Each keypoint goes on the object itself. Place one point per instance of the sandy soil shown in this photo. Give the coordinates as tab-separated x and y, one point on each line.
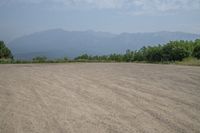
99	98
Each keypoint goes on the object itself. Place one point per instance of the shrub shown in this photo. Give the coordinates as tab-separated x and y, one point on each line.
196	52
39	59
4	51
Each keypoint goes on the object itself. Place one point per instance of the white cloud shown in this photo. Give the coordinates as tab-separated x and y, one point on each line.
132	6
161	5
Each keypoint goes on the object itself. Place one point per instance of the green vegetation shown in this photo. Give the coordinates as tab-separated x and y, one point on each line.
178	52
196	51
170	52
6	61
189	61
5	53
43	59
39	59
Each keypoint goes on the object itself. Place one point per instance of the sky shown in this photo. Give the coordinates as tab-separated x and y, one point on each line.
22	17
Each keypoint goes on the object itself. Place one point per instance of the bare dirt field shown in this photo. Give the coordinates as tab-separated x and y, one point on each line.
99	98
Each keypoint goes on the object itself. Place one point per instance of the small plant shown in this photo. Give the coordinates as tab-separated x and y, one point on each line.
39	59
196	51
189	61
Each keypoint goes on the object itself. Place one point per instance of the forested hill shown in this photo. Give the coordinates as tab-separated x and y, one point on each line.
59	43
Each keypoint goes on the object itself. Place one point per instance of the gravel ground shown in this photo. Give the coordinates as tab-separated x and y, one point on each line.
99	98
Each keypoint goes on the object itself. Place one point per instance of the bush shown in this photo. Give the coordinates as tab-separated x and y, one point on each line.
40	59
6	61
174	51
196	51
154	54
5	53
189	61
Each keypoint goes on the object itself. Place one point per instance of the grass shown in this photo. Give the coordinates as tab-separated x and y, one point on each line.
6	61
189	61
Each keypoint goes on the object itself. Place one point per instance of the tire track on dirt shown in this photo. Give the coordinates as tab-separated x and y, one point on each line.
53	124
102	98
122	93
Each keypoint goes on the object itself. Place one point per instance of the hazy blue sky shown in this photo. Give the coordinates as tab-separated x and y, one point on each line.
20	17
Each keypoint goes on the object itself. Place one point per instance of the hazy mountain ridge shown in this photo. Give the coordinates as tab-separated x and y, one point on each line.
59	43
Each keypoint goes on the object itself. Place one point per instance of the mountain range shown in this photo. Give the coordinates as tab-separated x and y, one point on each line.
58	43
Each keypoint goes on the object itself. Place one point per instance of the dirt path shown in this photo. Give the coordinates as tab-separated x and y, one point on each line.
99	98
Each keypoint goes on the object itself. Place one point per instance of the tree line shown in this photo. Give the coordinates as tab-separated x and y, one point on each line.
170	52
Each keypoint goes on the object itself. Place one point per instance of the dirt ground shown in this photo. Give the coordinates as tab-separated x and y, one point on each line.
99	98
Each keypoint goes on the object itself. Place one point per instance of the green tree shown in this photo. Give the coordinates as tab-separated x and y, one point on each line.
82	57
196	51
116	57
4	51
128	56
154	54
175	50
